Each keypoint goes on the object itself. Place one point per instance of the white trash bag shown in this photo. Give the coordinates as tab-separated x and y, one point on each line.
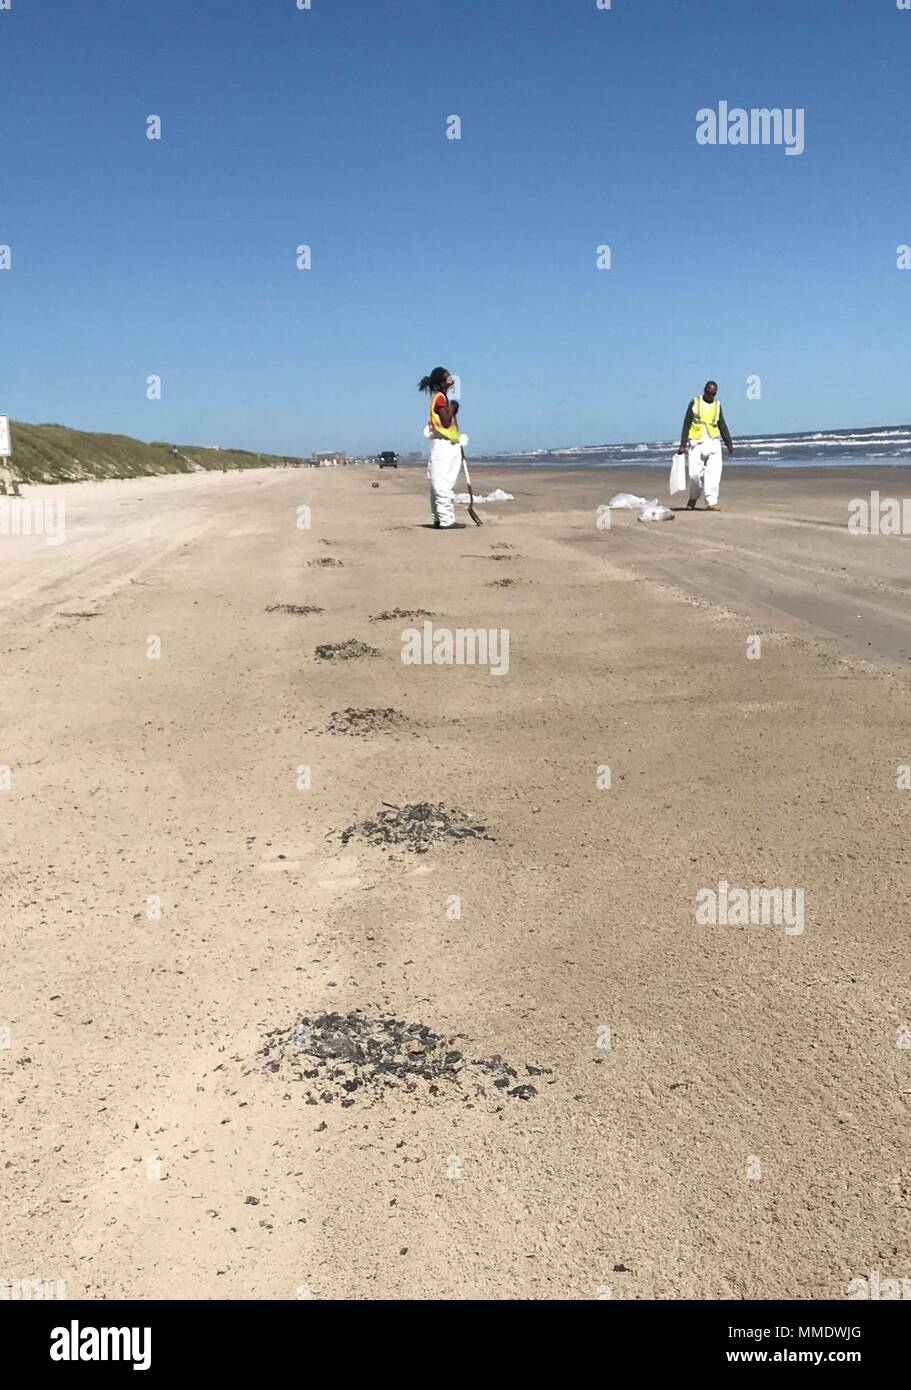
678	481
655	511
628	501
498	495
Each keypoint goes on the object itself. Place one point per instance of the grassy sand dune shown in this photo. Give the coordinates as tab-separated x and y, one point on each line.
56	454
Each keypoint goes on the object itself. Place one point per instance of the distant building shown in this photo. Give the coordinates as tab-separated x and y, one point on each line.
328	460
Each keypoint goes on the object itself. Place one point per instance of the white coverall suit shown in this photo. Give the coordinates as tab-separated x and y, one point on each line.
703	468
443	470
445	461
703	456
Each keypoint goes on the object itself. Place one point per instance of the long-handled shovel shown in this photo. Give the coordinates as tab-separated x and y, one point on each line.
471	511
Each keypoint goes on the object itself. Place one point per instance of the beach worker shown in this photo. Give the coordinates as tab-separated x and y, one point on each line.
704	428
446	445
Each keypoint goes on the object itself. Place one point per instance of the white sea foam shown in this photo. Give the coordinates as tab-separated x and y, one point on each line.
841	448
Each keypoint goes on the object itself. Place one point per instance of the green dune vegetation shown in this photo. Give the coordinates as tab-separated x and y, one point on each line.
55	454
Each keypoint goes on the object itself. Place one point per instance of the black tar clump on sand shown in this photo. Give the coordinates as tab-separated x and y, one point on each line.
344	651
348	1057
390	613
416	827
362	721
300	610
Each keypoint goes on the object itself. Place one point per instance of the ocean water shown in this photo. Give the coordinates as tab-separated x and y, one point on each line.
822	449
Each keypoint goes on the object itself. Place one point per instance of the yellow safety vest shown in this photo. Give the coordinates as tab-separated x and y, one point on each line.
705	419
450	432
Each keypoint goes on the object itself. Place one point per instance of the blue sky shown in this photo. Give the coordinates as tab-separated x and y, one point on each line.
327	127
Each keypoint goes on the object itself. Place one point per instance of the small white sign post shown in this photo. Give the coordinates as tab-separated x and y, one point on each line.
6	447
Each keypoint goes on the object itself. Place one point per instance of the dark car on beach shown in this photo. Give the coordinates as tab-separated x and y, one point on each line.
388	459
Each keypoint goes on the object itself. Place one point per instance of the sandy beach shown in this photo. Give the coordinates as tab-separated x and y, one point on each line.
719	1111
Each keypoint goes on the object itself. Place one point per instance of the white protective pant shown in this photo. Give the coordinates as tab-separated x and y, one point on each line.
443	470
703	468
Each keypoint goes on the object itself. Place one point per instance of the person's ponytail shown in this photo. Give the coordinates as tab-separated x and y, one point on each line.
436	381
